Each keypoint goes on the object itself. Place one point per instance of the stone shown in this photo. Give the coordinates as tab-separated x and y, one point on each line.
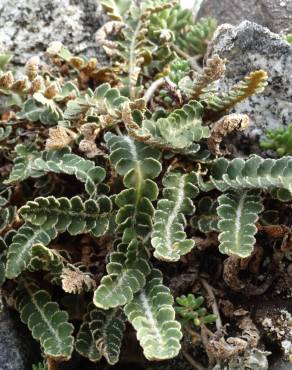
28	26
249	47
274	14
18	351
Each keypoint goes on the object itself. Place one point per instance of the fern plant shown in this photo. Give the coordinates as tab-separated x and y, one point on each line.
105	230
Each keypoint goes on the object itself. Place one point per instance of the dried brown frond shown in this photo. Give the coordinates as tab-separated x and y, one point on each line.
21	85
214	69
59	137
75	281
223	127
37	84
32	67
101	36
6	80
52	90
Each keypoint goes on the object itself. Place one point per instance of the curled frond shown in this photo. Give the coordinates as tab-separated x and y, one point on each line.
238	212
168	236
223	127
59	137
152	315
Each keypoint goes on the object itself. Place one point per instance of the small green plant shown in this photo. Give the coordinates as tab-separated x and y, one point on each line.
109	173
191	309
279	140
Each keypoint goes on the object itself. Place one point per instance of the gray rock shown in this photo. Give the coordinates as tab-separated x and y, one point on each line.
249	47
18	351
28	26
274	14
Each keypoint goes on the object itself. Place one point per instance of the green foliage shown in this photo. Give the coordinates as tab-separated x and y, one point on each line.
72	215
20	250
190	309
46	321
93	232
127	270
34	164
101	334
238	213
168	236
152	315
179	130
279	140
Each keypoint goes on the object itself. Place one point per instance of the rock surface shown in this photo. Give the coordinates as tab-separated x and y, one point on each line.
27	27
274	14
249	47
17	349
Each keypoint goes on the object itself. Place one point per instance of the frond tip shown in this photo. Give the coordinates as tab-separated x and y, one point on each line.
238	212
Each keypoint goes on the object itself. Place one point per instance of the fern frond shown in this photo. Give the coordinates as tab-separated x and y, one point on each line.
177	131
103	102
254	83
61	161
47	322
7	212
72	215
213	71
20	250
127	270
254	173
107	328
238	212
46	259
85	344
168	235
152	315
138	163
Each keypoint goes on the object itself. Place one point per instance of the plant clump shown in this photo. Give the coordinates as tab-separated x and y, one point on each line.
116	178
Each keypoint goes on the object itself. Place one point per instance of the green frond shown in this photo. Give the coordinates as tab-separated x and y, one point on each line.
47	323
179	130
72	215
127	270
238	212
168	235
85	344
61	161
107	328
139	164
153	317
20	250
103	102
255	172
